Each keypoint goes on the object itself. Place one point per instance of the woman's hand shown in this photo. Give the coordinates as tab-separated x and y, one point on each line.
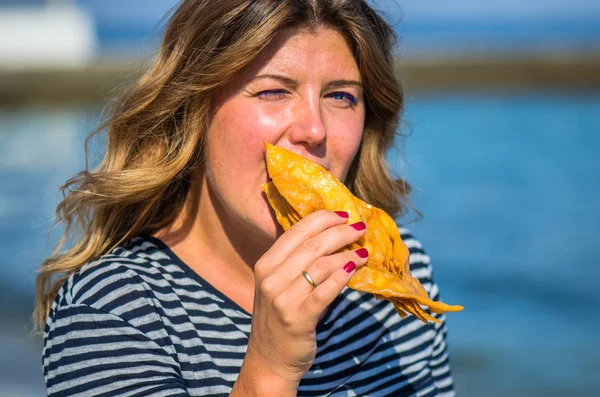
287	307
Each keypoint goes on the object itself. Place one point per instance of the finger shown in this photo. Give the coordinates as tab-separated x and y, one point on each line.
322	269
318	250
321	297
302	230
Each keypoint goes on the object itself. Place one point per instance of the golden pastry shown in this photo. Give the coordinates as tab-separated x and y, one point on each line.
300	186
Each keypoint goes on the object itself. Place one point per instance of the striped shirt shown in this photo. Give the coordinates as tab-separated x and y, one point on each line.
139	322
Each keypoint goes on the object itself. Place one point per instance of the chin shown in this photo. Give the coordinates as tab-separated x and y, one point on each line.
269	227
263	224
269	224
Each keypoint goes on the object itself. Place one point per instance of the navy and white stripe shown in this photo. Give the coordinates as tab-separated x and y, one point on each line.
139	322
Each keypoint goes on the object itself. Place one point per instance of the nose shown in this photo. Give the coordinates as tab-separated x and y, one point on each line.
308	127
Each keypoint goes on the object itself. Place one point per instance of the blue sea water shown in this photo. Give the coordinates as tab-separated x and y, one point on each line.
509	187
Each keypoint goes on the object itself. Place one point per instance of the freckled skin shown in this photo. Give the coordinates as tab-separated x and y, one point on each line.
309	118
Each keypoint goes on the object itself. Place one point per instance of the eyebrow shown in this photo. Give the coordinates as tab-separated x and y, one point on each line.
285	80
294	83
343	83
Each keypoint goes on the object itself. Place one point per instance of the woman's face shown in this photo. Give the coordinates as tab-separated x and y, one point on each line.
303	93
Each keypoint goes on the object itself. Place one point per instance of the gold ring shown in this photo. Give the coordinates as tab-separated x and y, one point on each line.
309	279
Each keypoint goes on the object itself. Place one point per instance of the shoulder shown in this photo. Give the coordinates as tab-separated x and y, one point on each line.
130	275
108	316
128	291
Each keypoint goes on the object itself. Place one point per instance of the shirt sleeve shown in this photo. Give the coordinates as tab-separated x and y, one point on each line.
89	352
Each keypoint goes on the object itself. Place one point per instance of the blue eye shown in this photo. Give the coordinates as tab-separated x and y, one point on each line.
271	94
343	96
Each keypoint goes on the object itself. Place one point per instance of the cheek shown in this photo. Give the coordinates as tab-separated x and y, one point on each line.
344	145
264	124
242	127
235	152
346	157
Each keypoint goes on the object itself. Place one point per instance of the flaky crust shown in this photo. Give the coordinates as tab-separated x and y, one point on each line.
300	186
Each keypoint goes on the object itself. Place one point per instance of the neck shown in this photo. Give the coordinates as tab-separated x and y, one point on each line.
226	236
212	242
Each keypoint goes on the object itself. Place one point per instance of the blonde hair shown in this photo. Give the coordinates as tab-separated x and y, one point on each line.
155	133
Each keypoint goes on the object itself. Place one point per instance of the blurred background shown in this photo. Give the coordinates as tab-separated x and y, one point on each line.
503	118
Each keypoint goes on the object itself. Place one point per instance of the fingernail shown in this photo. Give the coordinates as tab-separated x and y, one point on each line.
362	252
359	226
343	214
349	267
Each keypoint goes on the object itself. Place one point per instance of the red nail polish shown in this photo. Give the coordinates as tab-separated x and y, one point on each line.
362	252
349	267
359	226
343	214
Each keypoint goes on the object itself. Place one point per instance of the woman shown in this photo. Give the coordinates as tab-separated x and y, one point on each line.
182	283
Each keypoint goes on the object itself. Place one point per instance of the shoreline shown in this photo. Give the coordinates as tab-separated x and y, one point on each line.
102	78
